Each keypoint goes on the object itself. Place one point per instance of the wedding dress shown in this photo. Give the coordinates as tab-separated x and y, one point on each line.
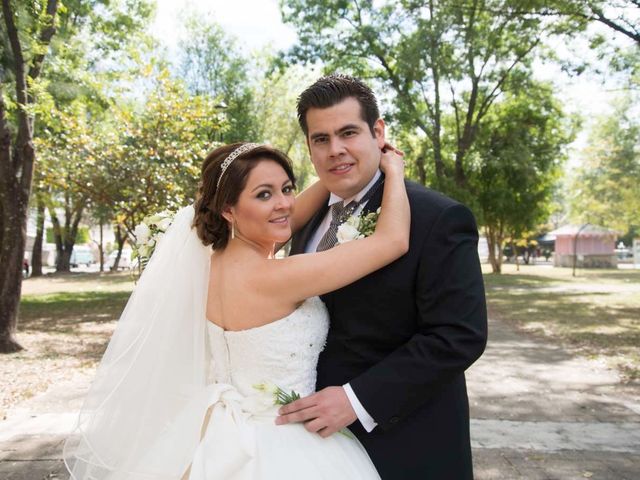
179	398
242	440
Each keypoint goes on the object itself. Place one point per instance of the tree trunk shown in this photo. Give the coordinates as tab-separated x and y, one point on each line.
14	197
494	244
65	237
101	246
499	247
36	254
515	253
422	172
14	239
62	257
16	172
120	238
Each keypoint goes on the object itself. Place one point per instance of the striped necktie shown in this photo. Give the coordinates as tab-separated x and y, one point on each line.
340	213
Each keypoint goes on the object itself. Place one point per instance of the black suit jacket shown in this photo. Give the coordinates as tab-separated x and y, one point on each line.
403	337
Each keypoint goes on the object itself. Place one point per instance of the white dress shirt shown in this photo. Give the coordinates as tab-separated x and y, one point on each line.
366	420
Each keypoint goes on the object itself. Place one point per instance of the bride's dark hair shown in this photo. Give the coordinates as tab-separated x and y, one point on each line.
211	200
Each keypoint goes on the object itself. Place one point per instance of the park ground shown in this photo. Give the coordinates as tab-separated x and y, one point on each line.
556	394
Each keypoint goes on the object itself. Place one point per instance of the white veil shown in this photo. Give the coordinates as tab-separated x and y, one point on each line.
155	368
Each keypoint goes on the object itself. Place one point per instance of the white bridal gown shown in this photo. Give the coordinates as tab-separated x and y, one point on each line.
166	368
241	440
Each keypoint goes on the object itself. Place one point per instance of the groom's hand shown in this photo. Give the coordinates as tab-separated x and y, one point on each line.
325	412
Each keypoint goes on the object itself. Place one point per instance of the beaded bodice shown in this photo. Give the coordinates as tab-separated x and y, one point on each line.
284	352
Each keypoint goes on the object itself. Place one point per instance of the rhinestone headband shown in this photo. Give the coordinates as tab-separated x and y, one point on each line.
233	155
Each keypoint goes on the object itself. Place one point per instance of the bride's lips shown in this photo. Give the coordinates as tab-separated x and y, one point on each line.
280	220
341	168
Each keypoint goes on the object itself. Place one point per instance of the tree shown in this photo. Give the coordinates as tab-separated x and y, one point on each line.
17	155
518	156
212	65
438	58
275	103
31	30
606	188
67	160
153	164
80	85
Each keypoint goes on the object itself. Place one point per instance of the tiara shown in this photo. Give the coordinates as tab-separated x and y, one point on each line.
244	148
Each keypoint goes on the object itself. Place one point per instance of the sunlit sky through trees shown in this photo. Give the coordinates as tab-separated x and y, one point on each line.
257	24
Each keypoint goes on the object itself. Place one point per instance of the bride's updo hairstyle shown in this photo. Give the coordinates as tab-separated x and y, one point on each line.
216	193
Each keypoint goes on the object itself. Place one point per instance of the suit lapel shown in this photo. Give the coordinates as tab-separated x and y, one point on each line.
374	202
300	239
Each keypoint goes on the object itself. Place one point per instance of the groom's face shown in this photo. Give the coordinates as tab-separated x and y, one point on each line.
343	150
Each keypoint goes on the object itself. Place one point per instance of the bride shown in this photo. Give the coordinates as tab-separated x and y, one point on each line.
216	328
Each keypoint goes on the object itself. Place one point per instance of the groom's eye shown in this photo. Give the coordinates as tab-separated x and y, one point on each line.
319	140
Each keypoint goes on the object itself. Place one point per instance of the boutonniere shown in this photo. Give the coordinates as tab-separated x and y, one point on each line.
357	226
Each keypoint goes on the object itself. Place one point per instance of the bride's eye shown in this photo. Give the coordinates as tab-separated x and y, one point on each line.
264	195
288	190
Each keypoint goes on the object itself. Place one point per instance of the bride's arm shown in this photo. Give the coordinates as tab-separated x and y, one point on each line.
308	202
299	277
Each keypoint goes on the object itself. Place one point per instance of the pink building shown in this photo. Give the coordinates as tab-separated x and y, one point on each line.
594	247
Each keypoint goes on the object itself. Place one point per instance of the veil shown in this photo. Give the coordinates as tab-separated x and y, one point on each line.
142	416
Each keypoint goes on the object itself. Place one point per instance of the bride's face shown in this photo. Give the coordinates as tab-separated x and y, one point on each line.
265	205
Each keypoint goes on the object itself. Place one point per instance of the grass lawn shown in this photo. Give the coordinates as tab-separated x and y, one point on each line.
596	313
65	324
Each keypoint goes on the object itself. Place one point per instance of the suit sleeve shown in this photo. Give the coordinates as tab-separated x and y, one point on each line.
451	330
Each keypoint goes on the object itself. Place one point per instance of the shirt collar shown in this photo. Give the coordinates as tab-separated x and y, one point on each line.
333	198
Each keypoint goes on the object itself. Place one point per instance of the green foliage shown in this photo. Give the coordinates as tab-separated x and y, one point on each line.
275	105
81	237
606	187
212	65
518	157
442	61
153	157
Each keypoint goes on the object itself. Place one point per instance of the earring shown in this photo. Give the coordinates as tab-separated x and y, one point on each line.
233	230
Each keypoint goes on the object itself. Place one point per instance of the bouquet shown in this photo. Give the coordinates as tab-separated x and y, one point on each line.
147	235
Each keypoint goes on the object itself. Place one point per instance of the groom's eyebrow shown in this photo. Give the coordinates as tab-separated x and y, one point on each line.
351	126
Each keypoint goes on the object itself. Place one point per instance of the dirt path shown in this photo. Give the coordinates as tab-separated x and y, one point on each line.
537	413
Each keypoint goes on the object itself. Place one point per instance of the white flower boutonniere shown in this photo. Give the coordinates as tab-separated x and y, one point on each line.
356	227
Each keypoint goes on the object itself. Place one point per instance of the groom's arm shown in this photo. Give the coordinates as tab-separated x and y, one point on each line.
451	325
451	334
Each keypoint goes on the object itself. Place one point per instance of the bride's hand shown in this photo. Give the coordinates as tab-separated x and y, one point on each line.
392	160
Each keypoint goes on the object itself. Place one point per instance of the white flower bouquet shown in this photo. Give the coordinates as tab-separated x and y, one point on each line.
147	235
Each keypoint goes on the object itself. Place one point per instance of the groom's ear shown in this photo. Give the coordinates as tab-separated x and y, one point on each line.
378	130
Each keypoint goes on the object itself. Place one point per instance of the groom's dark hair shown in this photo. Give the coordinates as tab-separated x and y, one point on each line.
332	89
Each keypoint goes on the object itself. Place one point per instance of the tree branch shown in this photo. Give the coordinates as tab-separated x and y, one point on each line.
45	38
598	15
16	47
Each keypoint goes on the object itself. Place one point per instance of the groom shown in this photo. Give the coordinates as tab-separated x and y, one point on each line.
401	338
